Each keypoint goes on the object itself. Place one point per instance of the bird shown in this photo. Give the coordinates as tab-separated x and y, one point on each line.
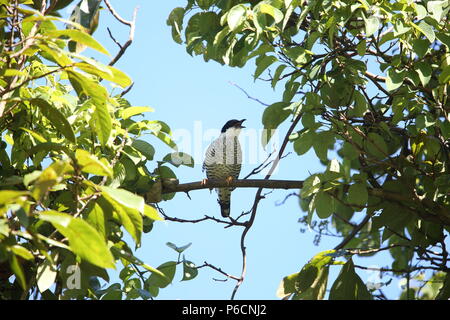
223	160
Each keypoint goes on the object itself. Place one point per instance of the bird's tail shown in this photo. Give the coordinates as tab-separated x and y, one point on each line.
224	201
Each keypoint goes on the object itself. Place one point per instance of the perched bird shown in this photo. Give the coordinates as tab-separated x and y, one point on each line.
223	161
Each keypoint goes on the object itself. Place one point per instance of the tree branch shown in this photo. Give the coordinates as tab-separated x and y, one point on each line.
440	214
258	198
131	24
248	96
242	183
208	265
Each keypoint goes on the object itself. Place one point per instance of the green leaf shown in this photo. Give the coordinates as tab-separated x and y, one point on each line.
444	77
425	29
102	122
297	54
272	117
11	196
317	289
46	275
129	207
372	24
50	177
444	38
287	285
178	249
236	16
152	213
48	147
322	142
175	20
125	198
310	186
99	218
394	79
132	111
22	252
190	271
35	135
56	118
361	47
360	106
376	145
90	164
265	8
262	63
108	73
348	285
179	158
357	194
325	205
277	74
424	70
444	292
56	55
421	47
308	120
311	281
145	148
165	138
205	4
78	36
112	294
16	267
84	240
168	269
436	9
304	142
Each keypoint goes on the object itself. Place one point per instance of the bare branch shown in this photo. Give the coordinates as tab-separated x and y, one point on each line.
256	202
131	24
205	218
116	15
208	265
248	96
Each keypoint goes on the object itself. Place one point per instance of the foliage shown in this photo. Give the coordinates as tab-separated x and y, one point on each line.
370	81
73	163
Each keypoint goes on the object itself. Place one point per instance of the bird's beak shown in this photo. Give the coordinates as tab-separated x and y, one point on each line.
240	123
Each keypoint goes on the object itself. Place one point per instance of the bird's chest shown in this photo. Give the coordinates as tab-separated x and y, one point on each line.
228	151
223	158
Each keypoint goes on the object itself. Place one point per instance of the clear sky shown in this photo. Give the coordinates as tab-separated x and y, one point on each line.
191	95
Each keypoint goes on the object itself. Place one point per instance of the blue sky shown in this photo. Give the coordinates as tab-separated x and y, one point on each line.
185	90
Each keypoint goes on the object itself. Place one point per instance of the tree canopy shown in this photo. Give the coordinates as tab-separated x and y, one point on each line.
364	84
368	80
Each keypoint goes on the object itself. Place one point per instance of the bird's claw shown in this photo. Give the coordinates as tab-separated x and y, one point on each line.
229	180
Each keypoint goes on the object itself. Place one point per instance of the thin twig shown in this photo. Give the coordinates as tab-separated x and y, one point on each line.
208	265
205	218
116	15
248	96
256	202
131	24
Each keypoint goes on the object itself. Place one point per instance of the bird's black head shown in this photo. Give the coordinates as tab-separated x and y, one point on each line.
233	123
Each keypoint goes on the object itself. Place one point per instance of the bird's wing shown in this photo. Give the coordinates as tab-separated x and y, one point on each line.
210	154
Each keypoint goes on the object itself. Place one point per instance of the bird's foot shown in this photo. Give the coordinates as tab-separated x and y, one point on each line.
229	180
204	182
